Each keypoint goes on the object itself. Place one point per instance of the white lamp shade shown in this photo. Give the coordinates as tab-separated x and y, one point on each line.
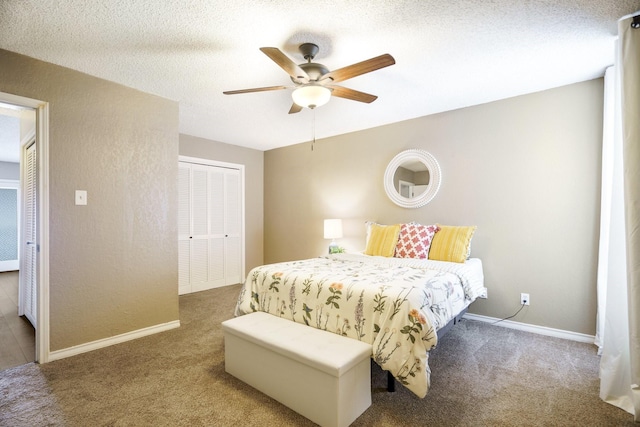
332	228
311	96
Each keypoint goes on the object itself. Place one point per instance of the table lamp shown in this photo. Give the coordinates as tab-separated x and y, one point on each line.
333	231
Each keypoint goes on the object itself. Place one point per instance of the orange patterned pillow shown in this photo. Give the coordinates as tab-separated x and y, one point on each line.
415	240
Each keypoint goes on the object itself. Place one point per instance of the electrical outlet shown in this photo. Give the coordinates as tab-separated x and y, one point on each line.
524	299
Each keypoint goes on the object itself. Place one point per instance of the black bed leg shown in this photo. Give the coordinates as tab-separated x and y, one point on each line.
391	383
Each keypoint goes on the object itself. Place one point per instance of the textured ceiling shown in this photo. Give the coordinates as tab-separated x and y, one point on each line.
448	54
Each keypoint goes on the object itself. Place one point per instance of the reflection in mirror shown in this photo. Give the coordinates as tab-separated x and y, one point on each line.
412	178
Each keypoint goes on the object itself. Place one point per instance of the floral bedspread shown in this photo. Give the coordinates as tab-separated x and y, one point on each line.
395	306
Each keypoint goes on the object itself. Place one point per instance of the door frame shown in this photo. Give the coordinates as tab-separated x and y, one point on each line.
42	264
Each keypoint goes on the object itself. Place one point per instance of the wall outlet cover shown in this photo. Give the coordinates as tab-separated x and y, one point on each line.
81	197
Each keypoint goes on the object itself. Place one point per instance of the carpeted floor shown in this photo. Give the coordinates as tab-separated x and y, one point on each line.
482	375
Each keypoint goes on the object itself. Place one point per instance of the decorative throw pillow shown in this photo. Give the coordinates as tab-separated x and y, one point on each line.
414	240
382	240
368	225
452	243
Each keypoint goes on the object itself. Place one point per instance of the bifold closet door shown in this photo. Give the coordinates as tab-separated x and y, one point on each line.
184	228
209	227
27	305
225	217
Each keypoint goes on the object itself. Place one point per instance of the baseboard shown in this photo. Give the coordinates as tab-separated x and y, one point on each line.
106	342
542	330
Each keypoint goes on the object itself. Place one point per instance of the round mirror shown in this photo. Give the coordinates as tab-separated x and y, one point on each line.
412	178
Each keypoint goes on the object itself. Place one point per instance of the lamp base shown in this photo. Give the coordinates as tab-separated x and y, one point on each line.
334	248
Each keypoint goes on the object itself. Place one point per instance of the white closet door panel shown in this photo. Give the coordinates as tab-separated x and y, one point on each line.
184	228
199	200
29	293
216	262
184	200
232	204
199	262
30	245
184	267
217	201
233	262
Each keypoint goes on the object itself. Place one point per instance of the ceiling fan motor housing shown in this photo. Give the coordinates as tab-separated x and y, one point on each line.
313	69
309	50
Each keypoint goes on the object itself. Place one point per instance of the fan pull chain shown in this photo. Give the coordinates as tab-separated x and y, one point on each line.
313	143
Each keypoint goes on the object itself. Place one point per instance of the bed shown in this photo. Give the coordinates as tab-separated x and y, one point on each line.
396	304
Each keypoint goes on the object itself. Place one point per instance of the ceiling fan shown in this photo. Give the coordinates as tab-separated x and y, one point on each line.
314	83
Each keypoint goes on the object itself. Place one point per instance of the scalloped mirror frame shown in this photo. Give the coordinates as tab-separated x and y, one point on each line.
435	178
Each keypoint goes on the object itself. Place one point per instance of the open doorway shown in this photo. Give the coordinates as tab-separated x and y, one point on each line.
17	130
32	201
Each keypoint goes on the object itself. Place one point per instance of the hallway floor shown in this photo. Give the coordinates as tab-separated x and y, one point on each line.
17	336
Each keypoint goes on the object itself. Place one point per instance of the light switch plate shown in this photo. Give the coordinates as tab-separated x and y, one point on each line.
81	197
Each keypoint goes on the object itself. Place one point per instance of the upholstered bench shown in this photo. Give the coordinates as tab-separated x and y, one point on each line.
321	375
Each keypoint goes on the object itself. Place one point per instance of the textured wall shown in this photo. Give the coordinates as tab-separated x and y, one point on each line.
113	263
253	160
9	171
525	170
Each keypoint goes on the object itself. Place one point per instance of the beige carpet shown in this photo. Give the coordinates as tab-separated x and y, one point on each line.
482	375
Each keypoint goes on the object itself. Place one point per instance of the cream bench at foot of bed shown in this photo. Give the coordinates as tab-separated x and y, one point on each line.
321	375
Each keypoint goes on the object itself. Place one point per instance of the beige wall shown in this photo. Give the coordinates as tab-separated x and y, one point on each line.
113	263
525	170
253	161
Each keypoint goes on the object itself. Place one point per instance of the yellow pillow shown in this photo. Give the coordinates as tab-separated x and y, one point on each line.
382	240
451	243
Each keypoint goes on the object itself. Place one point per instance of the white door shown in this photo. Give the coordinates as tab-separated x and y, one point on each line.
233	227
202	274
184	228
9	215
210	227
226	226
28	277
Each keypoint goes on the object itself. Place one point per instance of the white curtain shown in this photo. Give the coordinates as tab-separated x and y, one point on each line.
618	327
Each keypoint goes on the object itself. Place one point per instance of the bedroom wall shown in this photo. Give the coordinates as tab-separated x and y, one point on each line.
9	170
113	263
253	161
525	170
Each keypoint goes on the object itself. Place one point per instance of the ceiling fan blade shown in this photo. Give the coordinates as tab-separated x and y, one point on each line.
354	95
295	108
360	68
286	64
257	89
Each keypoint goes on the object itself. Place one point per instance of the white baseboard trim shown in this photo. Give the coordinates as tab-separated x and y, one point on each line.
542	330
106	342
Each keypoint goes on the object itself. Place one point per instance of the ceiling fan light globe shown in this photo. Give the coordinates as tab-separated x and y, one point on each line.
311	96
